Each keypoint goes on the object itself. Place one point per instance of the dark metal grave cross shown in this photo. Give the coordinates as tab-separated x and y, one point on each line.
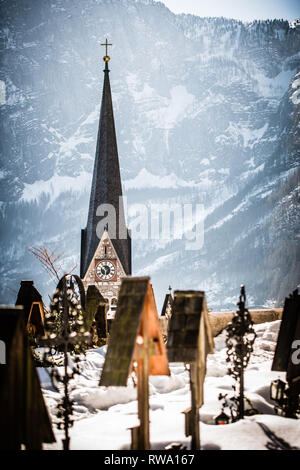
239	341
67	303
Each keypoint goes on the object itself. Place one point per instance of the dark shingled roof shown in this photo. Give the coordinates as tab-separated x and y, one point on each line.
106	188
168	299
182	345
31	299
27	295
125	326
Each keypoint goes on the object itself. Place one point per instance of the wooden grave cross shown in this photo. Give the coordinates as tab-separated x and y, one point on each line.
189	341
24	415
136	346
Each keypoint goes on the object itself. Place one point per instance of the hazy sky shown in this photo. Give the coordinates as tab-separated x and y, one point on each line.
245	10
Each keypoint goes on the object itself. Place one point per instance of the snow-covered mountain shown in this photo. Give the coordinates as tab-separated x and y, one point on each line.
206	110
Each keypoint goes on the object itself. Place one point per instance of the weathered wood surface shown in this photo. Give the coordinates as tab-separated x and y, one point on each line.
125	328
24	418
136	346
190	340
288	333
184	325
219	320
136	302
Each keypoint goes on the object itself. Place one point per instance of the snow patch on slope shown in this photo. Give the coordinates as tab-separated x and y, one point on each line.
295	97
275	86
55	186
157	264
163	112
178	105
145	179
235	132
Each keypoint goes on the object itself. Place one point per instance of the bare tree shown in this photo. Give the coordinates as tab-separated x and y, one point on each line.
51	261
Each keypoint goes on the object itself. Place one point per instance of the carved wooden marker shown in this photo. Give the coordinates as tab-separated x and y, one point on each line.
286	358
190	340
24	416
31	299
136	346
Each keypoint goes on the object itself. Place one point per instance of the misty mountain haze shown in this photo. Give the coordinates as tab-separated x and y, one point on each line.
206	111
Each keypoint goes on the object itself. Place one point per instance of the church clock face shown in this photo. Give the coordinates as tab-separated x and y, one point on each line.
105	270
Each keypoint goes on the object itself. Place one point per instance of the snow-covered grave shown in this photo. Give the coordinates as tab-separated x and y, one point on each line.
103	415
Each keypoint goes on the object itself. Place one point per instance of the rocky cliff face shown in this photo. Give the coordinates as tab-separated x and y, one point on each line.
207	112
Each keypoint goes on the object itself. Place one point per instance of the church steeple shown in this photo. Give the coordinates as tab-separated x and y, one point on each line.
106	188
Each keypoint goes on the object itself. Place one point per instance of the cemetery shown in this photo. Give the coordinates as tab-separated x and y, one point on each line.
237	389
95	365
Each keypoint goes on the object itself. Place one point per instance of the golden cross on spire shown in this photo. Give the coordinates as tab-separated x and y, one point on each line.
106	58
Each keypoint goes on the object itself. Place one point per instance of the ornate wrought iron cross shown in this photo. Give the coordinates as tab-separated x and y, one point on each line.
240	339
65	332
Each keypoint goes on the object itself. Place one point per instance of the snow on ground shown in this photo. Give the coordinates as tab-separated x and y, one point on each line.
103	415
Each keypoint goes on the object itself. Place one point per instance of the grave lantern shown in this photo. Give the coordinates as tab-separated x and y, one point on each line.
190	340
31	300
35	323
222	418
277	390
136	346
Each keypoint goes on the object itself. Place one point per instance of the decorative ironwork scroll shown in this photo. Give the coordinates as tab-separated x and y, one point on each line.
65	334
239	341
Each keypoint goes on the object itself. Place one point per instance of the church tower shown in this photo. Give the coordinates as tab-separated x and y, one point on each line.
105	242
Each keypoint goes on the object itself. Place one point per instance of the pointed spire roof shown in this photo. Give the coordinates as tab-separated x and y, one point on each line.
106	186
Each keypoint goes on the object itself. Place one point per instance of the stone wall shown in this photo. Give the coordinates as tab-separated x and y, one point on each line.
219	320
